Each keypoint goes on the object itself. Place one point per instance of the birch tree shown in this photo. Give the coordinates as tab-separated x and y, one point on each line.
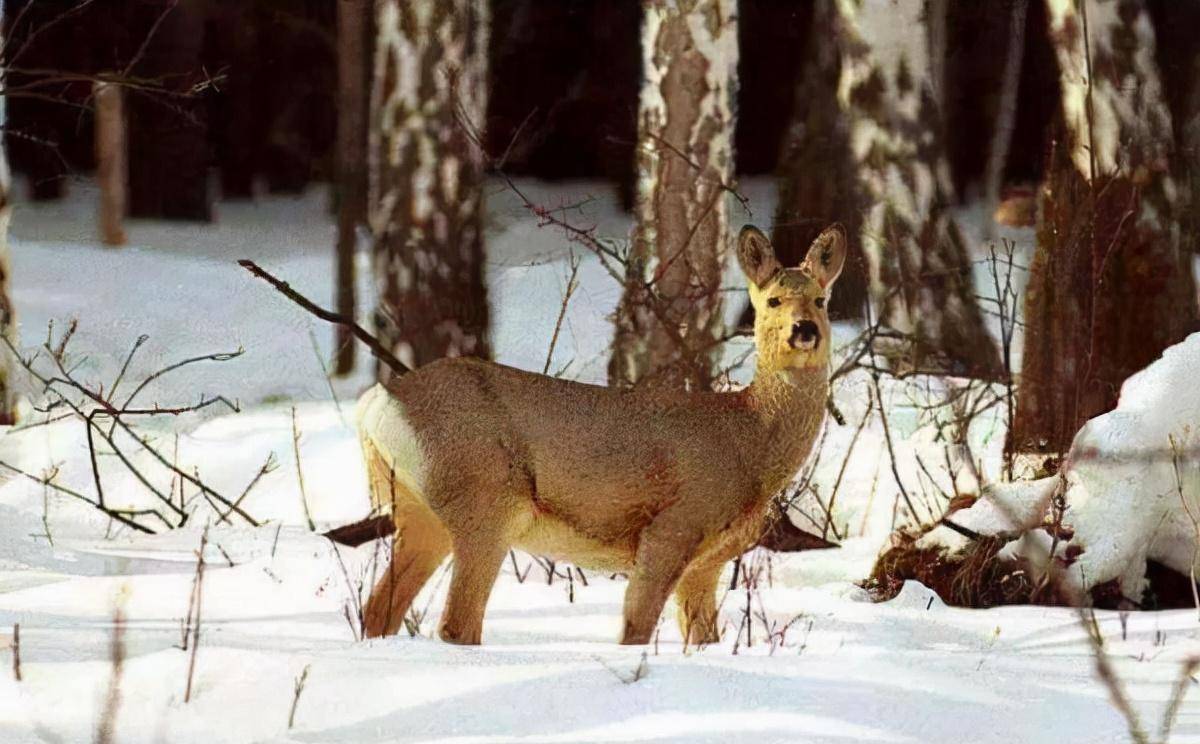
919	271
669	322
426	171
8	322
1111	283
817	180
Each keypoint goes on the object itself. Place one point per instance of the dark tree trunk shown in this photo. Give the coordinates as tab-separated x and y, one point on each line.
111	168
579	120
685	166
1111	283
238	132
426	171
48	133
1178	55
8	322
817	181
351	163
295	62
168	134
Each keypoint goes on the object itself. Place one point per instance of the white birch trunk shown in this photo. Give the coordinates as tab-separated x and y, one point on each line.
918	268
426	167
1111	283
684	169
1122	128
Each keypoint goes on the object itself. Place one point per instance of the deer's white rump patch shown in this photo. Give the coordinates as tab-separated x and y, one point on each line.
382	422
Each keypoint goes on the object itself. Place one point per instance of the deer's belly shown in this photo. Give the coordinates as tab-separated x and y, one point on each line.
551	537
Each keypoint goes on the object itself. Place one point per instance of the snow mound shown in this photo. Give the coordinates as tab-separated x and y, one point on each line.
1132	487
916	596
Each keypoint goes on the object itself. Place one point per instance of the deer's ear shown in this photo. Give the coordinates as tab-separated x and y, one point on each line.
827	255
756	256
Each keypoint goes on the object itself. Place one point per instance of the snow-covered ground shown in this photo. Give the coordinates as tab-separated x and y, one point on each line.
824	663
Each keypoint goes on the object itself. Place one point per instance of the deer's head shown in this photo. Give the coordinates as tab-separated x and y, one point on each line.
791	325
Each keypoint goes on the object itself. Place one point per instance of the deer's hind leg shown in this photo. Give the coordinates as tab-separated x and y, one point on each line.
421	545
477	561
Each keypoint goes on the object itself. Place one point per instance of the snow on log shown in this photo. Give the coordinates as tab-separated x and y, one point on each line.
1131	489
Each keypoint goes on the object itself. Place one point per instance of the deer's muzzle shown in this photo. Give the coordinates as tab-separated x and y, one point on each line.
805	335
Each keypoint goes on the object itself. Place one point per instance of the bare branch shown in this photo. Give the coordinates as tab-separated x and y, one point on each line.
372	343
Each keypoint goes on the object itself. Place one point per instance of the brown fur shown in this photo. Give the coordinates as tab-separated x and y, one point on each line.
666	486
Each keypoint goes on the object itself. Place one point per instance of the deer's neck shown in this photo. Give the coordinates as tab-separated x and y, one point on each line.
791	405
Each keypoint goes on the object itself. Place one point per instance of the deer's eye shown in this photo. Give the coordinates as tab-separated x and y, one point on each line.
774	302
819	302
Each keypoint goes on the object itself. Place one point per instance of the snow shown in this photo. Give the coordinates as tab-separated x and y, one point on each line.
1125	500
825	664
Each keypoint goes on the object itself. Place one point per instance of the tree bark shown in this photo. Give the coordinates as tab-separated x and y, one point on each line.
8	321
1006	111
670	331
296	76
238	125
168	164
351	165
1111	283
919	271
817	181
111	168
426	169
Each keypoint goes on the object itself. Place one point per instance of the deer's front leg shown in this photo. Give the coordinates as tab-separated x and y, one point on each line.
665	549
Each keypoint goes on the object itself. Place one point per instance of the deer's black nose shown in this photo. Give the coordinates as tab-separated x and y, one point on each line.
806	332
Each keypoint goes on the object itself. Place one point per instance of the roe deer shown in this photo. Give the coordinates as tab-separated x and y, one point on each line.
473	457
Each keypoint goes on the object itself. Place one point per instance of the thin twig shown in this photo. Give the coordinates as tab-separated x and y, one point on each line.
300	472
296	697
106	726
312	337
842	472
16	651
199	592
887	438
572	284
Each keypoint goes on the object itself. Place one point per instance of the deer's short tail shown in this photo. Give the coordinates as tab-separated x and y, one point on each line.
396	461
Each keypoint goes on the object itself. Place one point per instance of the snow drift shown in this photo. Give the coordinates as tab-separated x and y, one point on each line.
1130	486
